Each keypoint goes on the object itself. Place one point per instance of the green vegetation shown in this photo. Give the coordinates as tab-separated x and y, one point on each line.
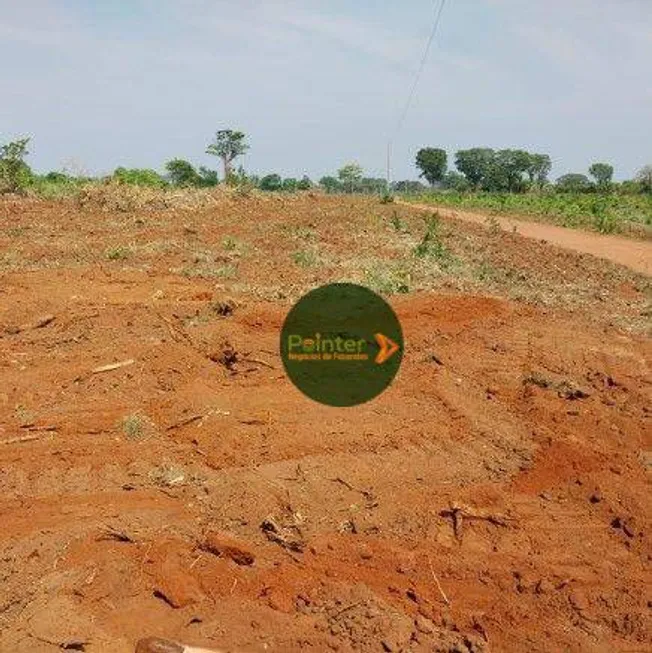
183	174
119	253
432	246
305	258
516	181
15	174
228	145
139	177
500	181
601	212
432	163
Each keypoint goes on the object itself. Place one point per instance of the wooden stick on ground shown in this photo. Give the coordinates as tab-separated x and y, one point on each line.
439	587
112	366
21	438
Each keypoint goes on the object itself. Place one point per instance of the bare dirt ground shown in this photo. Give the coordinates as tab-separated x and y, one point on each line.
494	498
635	254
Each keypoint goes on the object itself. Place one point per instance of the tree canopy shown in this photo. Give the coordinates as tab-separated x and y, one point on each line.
602	173
432	162
228	144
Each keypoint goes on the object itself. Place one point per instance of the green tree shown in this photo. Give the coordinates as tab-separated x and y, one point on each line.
330	184
15	174
408	186
603	174
349	175
228	144
455	181
372	185
506	171
139	177
182	173
208	177
538	169
304	183
290	185
644	178
573	183
432	162
271	182
475	164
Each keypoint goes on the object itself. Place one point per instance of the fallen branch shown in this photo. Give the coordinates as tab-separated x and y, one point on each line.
439	587
282	536
458	512
112	366
258	361
20	438
184	422
117	535
34	427
44	321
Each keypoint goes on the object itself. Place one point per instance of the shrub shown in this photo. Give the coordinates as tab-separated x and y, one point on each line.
15	174
304	183
271	182
182	173
573	183
139	177
290	185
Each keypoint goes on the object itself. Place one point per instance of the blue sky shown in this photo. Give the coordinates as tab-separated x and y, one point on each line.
315	84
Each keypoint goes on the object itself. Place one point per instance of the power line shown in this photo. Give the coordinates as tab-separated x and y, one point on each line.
412	93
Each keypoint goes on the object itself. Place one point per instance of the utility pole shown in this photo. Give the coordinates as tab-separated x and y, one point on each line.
389	156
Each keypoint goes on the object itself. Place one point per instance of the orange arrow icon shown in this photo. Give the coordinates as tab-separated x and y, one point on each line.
387	348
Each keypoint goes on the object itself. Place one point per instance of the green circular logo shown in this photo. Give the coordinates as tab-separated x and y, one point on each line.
341	344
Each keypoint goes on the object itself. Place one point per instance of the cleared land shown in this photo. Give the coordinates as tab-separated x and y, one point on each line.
160	476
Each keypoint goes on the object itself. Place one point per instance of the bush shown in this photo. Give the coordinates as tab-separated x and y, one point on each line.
56	185
182	173
139	177
271	182
290	185
207	177
574	183
304	183
15	174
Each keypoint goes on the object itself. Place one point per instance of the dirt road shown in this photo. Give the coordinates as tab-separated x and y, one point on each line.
635	254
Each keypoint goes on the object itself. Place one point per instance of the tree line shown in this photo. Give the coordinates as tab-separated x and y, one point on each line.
477	169
516	171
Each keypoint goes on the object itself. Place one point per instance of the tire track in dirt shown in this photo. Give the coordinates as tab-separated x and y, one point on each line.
634	254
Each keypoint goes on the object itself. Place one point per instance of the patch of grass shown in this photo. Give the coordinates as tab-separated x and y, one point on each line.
493	225
234	246
485	272
432	246
230	244
305	258
24	415
118	253
207	271
301	233
16	232
135	426
398	223
168	475
386	198
388	280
